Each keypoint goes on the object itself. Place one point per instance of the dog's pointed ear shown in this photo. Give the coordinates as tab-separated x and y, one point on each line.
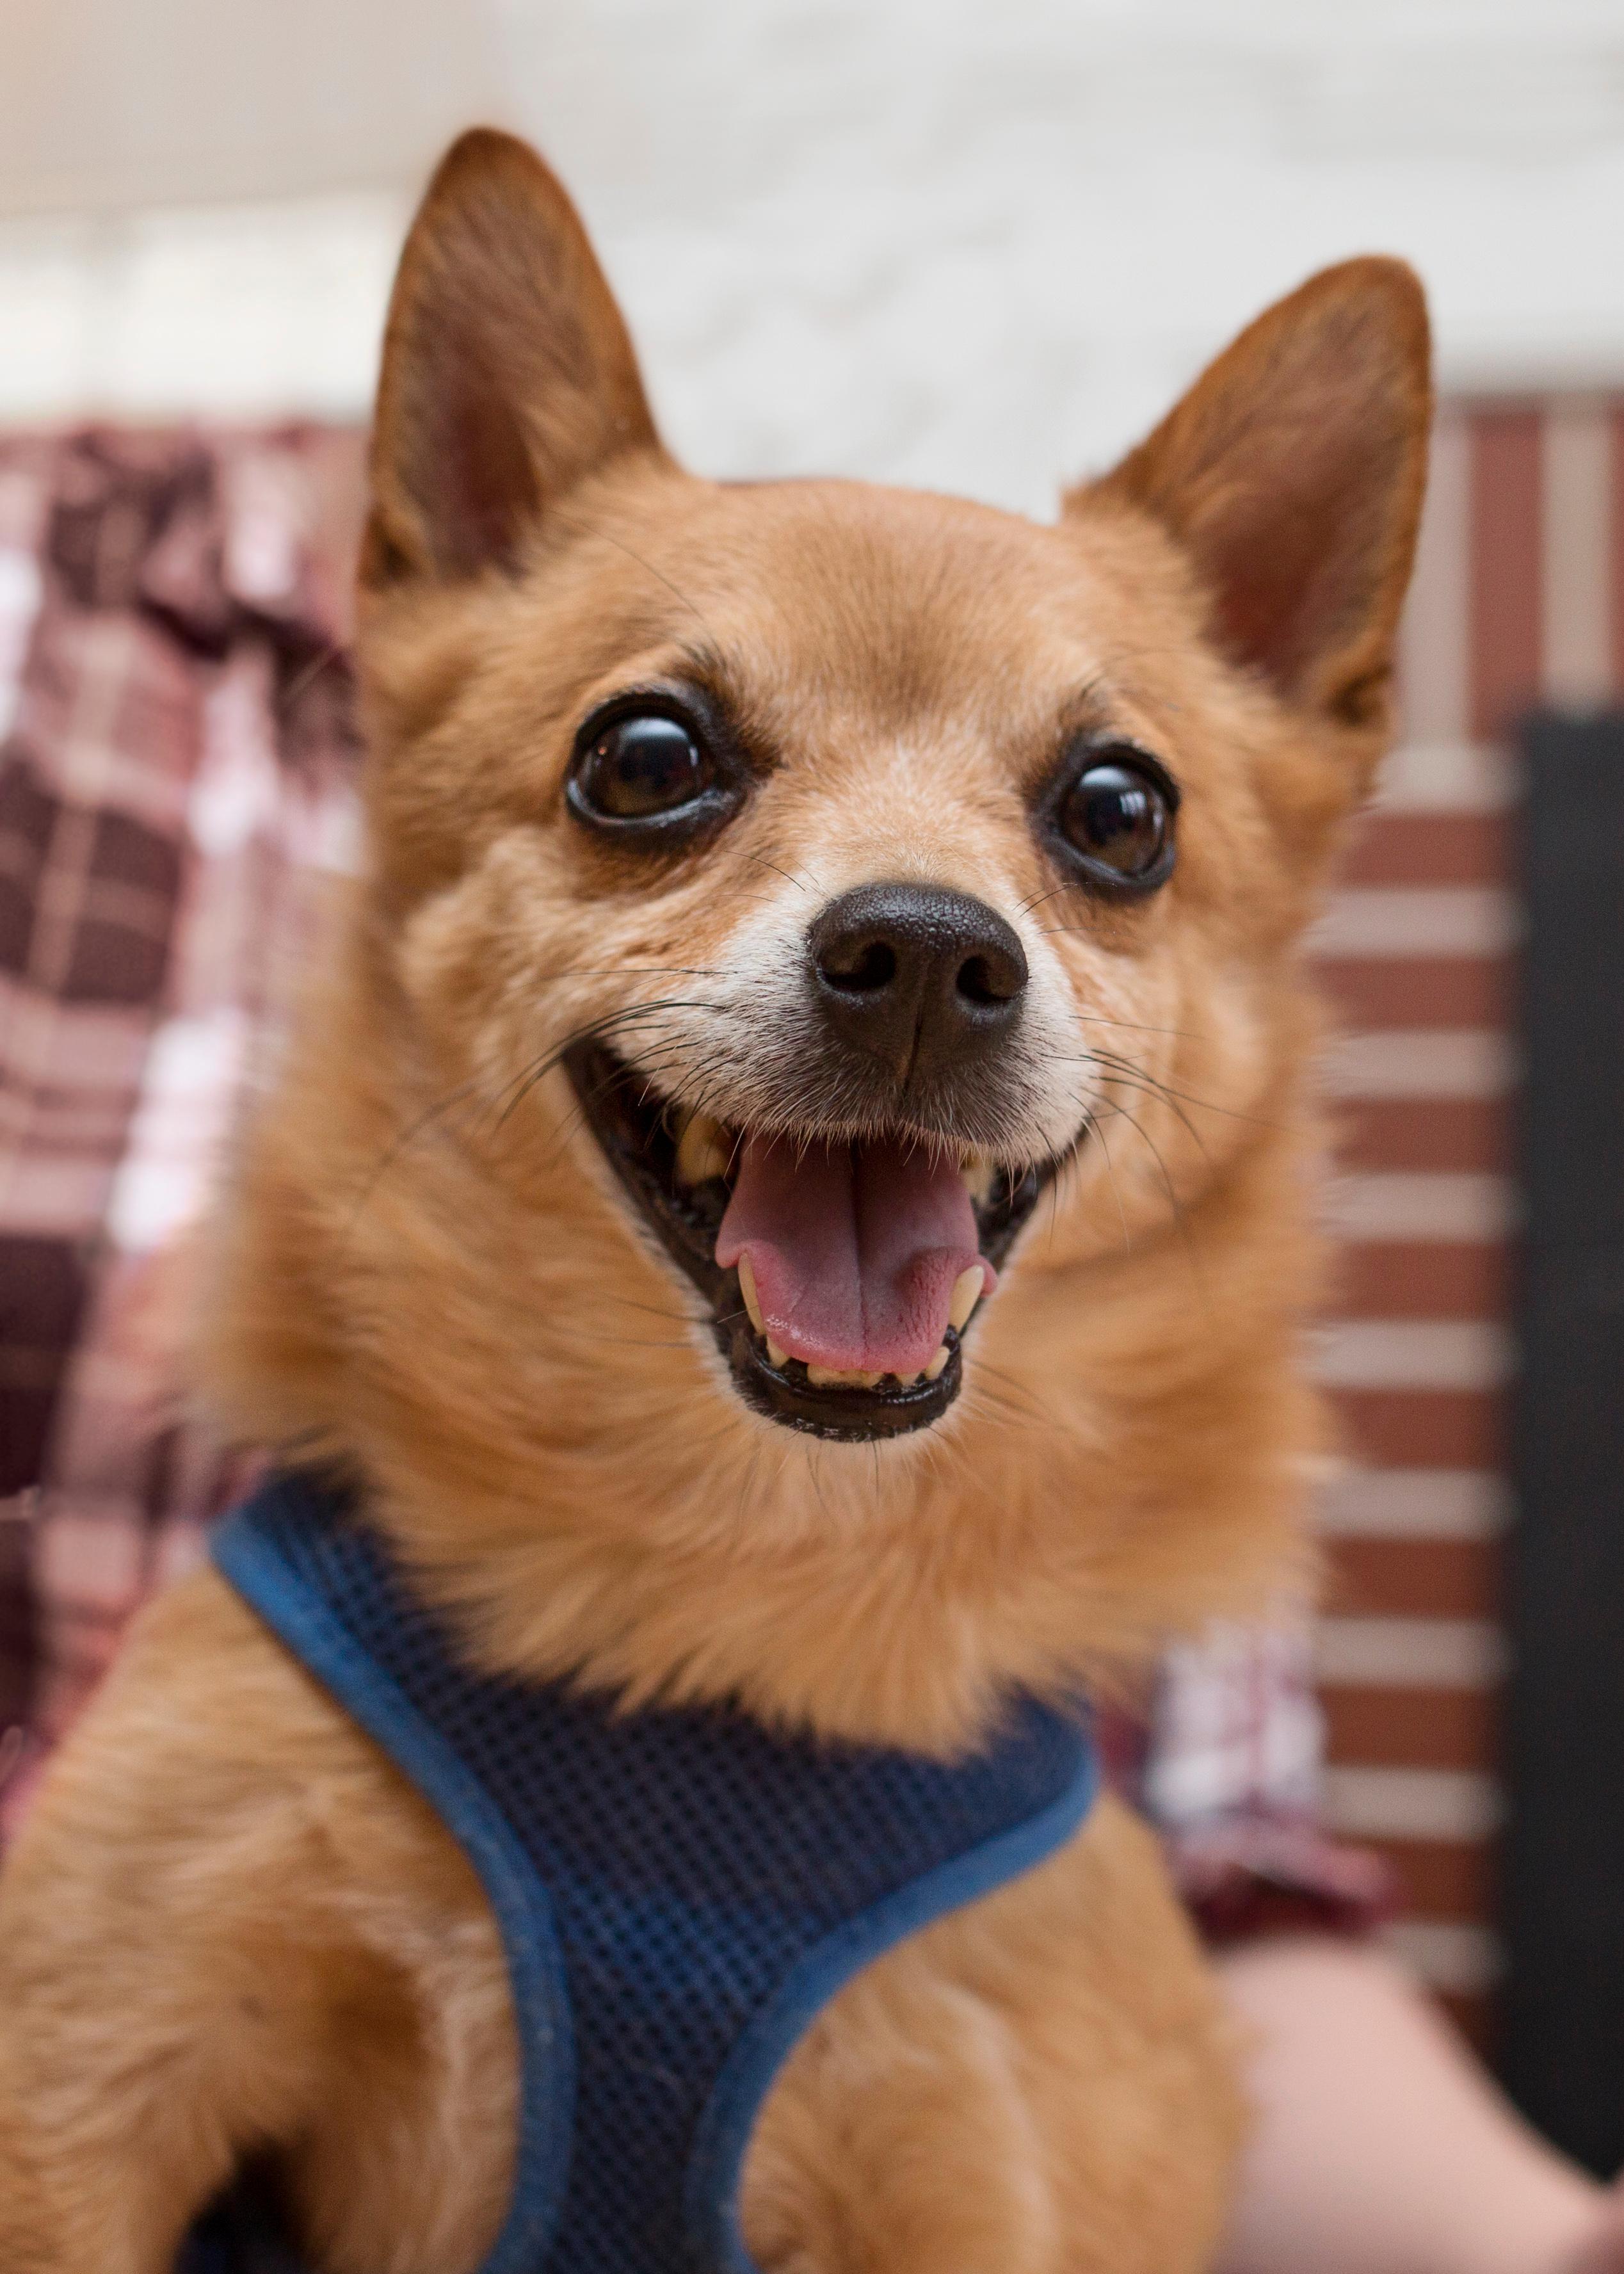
507	374
1292	475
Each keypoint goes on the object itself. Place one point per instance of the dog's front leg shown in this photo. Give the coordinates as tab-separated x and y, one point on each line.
31	2242
900	2141
132	2077
186	1980
139	2059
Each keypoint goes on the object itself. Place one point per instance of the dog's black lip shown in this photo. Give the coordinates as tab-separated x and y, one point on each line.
628	1121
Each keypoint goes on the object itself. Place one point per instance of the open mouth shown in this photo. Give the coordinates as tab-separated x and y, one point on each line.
842	1278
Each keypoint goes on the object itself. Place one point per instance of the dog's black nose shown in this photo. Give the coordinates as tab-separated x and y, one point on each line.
919	978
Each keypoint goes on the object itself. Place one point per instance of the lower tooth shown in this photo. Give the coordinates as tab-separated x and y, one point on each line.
747	1288
967	1294
775	1356
830	1377
938	1364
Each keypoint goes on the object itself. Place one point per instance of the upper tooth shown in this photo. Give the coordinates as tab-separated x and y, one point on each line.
978	1173
747	1288
702	1150
967	1294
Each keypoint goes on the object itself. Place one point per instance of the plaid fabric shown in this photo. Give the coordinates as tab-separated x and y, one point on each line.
176	772
1231	1770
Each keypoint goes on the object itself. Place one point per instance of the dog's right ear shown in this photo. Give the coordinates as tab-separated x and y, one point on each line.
507	374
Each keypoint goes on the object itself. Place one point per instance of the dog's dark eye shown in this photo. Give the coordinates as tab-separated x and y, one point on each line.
1115	812
639	768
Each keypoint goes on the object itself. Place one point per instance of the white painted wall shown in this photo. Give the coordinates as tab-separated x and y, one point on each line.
109	104
968	243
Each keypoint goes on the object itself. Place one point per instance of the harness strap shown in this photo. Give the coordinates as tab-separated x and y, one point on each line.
679	1893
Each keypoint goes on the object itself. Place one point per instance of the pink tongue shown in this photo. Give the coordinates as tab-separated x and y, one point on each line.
855	1249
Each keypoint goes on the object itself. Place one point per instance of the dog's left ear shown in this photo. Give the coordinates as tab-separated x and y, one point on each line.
507	374
1292	474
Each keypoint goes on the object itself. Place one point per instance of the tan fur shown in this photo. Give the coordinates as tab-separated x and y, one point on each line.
231	1930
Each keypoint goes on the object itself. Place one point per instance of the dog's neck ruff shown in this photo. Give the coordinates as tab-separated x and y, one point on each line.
679	1893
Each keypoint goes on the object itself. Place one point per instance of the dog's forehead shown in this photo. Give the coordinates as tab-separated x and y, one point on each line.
888	603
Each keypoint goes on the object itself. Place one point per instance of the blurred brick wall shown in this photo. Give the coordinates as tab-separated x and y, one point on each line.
1518	599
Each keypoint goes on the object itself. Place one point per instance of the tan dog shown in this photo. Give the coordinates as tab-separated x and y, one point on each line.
772	890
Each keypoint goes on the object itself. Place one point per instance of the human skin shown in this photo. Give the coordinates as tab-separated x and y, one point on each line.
1378	2145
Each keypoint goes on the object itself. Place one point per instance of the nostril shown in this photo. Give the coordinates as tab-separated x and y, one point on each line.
976	984
864	970
991	980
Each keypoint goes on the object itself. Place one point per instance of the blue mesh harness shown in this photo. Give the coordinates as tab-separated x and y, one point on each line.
679	1893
